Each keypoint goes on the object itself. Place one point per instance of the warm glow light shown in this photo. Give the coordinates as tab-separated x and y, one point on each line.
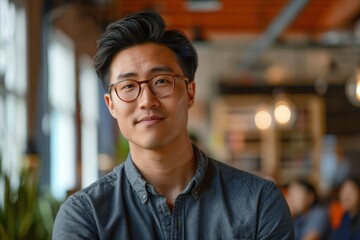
358	89
282	113
263	120
352	88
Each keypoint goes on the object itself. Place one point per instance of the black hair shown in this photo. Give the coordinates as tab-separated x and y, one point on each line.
352	179
138	28
309	189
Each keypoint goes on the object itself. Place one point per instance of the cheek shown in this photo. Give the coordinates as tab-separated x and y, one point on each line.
350	199
299	203
123	115
181	110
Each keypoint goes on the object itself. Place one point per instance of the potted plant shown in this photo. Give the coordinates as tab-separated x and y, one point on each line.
25	212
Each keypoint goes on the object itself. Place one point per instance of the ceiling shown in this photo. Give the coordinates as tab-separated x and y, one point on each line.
315	24
243	16
319	34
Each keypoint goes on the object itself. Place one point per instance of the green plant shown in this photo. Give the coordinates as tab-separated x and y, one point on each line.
26	213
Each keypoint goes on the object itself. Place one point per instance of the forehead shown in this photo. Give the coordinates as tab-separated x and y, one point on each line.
142	60
350	186
297	188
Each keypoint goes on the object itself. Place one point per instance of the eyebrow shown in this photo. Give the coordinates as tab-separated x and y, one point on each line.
162	69
159	69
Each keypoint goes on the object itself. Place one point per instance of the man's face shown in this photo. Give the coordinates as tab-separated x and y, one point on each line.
150	122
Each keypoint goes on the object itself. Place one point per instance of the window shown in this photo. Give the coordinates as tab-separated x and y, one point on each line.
89	100
61	59
13	84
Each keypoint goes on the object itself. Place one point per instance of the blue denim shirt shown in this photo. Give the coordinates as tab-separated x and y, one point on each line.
220	202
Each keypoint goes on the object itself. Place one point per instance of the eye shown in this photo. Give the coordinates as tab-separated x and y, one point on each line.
127	86
162	81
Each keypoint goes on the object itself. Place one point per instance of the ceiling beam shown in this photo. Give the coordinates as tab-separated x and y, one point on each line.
275	28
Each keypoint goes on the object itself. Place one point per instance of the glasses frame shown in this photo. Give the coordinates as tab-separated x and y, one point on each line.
174	76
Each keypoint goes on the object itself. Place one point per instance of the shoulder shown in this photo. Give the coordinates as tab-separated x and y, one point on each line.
100	189
239	177
83	206
215	172
256	199
317	220
241	186
318	217
319	210
82	211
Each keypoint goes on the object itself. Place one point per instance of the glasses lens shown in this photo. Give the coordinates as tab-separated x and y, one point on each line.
162	85
127	90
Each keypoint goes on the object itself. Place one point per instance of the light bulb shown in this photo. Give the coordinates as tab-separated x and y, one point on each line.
358	89
263	119
352	88
282	112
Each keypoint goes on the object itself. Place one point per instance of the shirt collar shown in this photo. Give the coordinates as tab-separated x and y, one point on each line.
135	179
139	183
195	183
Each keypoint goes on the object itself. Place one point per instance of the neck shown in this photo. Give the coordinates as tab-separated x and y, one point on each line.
168	169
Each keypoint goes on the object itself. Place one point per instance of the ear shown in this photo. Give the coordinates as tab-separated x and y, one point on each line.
191	93
109	104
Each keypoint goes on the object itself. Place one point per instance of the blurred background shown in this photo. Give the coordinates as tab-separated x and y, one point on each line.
278	88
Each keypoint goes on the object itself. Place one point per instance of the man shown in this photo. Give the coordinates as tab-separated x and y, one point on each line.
167	188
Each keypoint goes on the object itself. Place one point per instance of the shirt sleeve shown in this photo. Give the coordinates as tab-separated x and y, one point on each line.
74	221
275	220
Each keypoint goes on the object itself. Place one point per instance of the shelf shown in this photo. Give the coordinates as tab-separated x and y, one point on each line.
281	152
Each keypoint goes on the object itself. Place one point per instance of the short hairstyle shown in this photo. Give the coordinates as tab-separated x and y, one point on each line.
354	180
139	28
309	188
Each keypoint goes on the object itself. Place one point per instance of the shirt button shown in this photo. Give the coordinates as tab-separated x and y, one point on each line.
196	192
167	222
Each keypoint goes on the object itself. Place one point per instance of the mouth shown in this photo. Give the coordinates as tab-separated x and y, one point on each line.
149	120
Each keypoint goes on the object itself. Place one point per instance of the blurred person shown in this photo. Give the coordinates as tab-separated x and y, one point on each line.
350	201
311	220
335	165
336	211
167	188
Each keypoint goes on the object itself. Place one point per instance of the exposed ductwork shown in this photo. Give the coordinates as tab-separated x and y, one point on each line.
272	32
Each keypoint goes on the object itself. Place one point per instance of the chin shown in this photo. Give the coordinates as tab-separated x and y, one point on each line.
149	144
154	143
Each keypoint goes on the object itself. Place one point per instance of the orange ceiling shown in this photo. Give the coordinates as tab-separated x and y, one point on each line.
245	16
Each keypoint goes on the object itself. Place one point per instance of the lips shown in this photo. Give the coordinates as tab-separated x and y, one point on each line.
150	119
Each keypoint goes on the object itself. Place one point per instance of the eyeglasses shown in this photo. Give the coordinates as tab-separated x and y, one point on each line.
161	85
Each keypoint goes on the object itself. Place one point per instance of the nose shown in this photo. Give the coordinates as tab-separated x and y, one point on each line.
147	99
